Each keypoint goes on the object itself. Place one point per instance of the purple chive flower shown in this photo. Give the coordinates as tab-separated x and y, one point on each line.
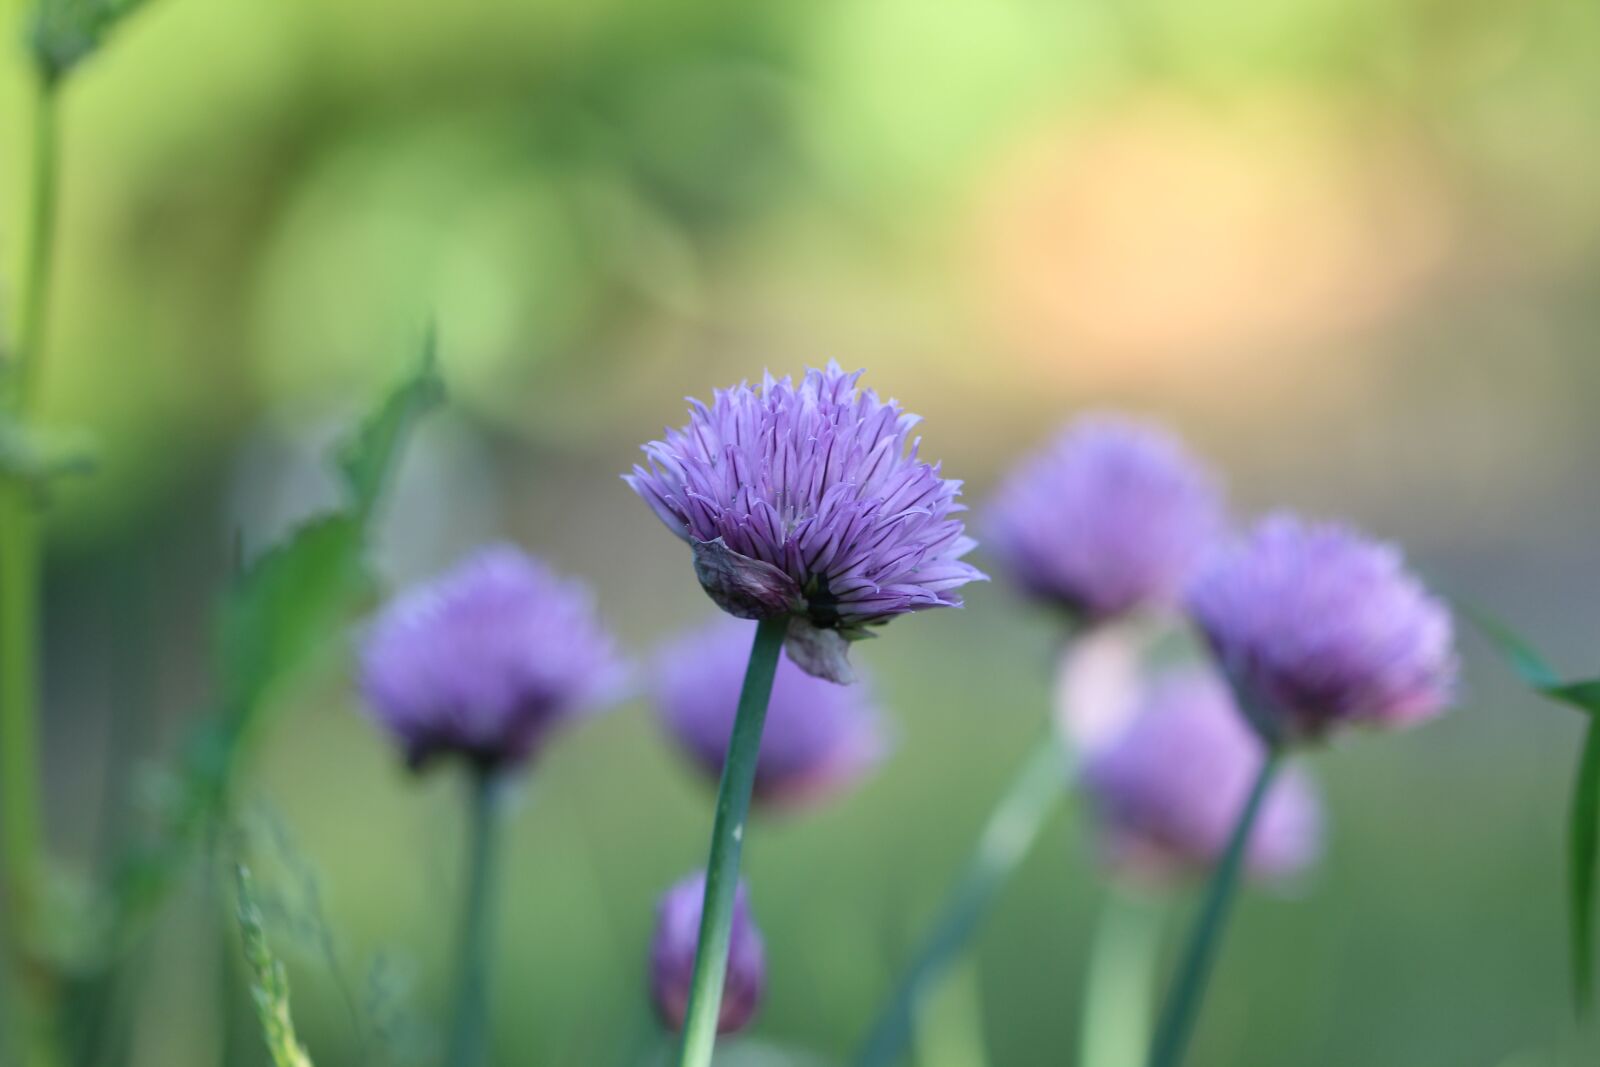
1109	518
819	738
809	501
1318	626
672	952
486	659
1167	790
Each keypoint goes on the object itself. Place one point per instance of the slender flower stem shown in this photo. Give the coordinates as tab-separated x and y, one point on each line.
469	1028
727	843
1188	988
1007	839
21	833
1121	976
34	307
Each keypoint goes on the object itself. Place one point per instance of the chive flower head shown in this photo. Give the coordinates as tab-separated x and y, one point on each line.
485	660
1166	791
1109	518
672	952
1319	627
810	502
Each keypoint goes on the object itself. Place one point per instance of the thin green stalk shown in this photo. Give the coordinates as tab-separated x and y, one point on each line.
1188	987
1007	839
34	308
727	844
19	540
1119	985
469	1029
21	834
1582	825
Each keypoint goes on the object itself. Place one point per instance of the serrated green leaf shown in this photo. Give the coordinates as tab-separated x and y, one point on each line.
1583	844
284	607
368	456
270	986
289	606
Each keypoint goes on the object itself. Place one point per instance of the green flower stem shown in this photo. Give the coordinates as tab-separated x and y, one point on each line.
1007	839
1117	991
1188	987
34	307
21	833
727	843
469	1028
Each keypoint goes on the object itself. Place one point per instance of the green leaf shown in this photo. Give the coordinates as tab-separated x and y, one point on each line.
1583	844
288	607
1528	664
66	32
270	988
1583	821
285	606
1584	695
368	457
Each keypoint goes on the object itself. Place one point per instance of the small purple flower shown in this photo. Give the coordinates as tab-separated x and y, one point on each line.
1318	626
809	501
484	660
819	739
1109	518
1167	790
672	952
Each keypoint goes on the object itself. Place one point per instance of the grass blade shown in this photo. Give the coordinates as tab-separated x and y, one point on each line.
270	986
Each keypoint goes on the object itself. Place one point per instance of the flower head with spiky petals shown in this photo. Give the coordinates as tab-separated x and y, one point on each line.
809	501
672	953
1318	626
1166	790
819	739
1108	518
485	660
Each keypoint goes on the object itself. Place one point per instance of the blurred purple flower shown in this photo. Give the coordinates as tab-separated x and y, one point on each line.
1318	626
809	501
819	739
484	660
672	952
1110	517
1167	790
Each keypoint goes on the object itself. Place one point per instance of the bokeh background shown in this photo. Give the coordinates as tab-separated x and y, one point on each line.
1348	248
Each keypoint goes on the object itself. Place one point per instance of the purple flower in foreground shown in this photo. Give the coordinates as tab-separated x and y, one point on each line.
1110	517
1168	789
820	738
809	501
672	952
484	660
1317	626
